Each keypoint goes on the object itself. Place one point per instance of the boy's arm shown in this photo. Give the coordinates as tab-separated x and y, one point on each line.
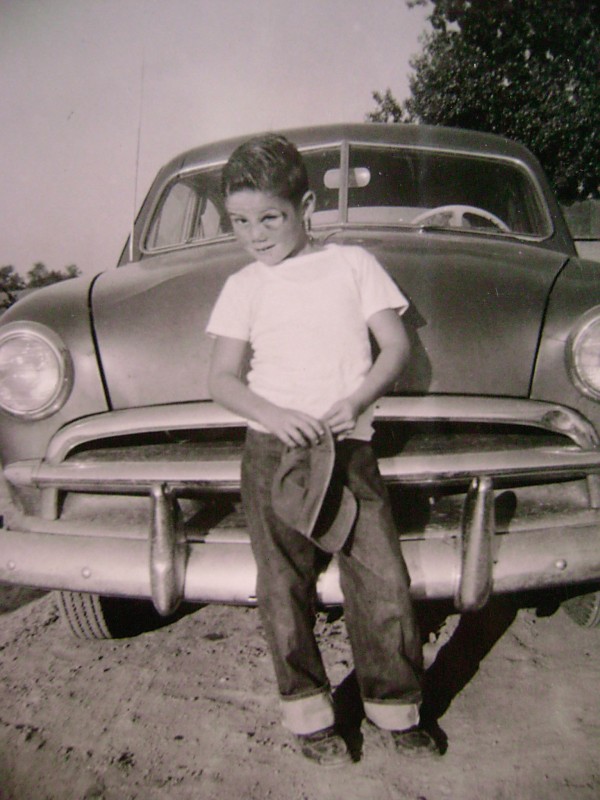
394	348
226	387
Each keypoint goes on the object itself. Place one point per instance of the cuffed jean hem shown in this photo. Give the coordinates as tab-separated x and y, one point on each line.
392	716
304	715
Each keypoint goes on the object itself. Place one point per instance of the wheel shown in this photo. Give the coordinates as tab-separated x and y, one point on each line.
456	214
83	615
584	610
93	616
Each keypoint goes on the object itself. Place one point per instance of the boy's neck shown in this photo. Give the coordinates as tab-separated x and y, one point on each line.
309	247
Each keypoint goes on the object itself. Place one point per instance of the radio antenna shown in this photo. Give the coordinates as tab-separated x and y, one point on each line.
137	150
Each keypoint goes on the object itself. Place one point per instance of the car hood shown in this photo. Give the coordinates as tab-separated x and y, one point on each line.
475	317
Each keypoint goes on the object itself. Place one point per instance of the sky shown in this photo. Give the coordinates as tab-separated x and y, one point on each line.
96	95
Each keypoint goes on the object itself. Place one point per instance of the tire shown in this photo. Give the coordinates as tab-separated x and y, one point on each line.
584	609
93	616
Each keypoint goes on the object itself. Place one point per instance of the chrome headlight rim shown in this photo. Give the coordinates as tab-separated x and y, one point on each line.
64	383
577	339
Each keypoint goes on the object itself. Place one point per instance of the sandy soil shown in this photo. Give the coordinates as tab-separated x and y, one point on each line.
189	711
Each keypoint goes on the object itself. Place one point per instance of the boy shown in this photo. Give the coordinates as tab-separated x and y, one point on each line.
306	311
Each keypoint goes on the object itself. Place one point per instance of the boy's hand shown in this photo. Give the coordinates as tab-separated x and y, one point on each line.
341	417
293	428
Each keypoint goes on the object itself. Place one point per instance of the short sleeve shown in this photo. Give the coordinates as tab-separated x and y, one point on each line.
377	290
231	313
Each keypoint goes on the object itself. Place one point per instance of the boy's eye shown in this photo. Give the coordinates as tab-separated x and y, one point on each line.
271	218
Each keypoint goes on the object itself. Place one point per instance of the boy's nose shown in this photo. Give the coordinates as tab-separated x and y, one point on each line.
257	233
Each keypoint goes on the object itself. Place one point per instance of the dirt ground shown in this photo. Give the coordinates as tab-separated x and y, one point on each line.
189	711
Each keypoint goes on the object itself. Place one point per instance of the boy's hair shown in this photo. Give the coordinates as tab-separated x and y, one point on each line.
270	164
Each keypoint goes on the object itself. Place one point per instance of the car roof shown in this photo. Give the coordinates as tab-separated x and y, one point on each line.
438	137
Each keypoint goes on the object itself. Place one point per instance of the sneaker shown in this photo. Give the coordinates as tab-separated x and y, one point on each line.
325	747
415	741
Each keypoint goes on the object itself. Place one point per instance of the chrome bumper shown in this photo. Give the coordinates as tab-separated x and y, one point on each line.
465	564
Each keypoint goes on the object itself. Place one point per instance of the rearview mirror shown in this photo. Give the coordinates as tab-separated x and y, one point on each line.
358	178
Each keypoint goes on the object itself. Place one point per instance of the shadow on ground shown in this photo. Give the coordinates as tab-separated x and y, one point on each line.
455	665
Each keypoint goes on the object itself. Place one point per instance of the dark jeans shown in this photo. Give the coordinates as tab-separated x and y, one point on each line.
374	580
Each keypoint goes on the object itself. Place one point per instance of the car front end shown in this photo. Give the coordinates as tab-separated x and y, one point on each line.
121	477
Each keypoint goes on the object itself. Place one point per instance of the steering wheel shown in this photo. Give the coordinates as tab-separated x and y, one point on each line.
456	215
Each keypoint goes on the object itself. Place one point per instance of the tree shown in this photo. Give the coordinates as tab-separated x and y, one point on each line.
526	69
39	275
12	284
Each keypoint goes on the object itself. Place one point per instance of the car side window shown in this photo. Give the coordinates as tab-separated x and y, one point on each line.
190	211
171	224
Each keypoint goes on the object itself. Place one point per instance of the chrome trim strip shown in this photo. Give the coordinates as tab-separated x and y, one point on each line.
536	413
502	463
225	475
139	420
547	416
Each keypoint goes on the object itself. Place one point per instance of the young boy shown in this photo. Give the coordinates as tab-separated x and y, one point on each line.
306	311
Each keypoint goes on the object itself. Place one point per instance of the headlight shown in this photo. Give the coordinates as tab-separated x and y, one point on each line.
36	373
584	353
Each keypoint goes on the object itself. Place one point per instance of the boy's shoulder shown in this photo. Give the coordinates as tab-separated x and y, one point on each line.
349	250
354	253
248	275
356	257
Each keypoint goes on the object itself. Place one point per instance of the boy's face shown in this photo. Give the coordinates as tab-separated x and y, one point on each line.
268	227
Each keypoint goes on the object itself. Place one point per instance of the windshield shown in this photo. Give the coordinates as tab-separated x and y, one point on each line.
428	188
386	186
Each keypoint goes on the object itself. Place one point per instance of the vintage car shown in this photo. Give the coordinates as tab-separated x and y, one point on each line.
121	477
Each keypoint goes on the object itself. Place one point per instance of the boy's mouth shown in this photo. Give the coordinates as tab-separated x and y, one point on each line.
262	250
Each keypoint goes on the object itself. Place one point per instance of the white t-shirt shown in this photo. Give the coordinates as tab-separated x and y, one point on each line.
306	322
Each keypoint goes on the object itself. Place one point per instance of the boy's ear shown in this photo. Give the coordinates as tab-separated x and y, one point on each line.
308	203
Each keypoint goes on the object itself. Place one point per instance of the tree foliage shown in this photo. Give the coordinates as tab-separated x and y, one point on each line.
12	284
525	69
39	275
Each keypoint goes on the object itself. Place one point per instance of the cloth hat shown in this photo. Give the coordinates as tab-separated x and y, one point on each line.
308	497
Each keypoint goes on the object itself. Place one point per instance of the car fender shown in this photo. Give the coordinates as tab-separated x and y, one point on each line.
64	309
575	291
